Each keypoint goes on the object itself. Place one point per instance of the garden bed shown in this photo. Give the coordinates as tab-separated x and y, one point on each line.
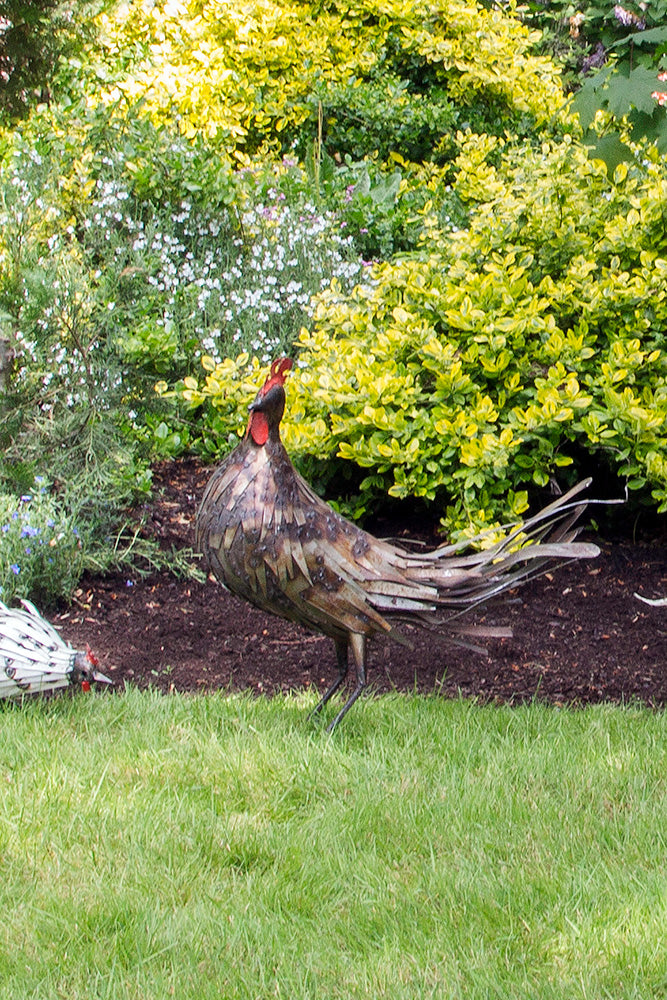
580	635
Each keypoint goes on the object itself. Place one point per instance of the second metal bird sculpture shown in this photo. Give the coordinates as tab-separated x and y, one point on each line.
270	539
34	658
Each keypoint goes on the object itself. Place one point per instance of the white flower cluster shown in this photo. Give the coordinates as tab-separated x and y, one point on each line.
227	283
150	280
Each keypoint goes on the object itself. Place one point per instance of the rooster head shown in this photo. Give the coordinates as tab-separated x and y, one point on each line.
267	409
85	669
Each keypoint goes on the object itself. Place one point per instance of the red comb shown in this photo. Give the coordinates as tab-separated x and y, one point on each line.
279	369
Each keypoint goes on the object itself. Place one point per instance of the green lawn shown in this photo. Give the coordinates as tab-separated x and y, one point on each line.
218	847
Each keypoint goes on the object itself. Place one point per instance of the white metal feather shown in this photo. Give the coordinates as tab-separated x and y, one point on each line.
34	657
659	602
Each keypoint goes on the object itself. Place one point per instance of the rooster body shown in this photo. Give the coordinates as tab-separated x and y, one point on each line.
34	657
270	539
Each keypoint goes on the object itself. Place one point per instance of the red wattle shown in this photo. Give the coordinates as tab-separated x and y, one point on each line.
259	428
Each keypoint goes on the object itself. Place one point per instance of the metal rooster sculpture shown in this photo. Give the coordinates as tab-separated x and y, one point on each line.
34	657
271	540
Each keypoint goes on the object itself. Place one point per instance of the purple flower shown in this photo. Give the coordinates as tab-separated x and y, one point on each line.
595	60
628	19
15	569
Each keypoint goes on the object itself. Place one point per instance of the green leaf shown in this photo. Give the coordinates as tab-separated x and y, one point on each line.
586	102
632	91
612	151
654	36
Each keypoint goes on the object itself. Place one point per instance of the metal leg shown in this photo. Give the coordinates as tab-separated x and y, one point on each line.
341	656
358	646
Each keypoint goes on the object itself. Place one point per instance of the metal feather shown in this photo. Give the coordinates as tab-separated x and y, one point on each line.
659	602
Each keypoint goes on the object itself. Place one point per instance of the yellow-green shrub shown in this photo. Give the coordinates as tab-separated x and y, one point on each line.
503	354
247	73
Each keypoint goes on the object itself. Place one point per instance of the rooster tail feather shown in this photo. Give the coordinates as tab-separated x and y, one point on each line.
461	582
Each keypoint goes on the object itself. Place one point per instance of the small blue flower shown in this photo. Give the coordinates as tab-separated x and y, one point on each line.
15	569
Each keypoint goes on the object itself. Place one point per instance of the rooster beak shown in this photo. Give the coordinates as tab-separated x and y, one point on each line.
101	678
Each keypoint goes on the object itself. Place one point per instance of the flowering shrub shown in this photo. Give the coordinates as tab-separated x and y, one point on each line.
106	294
158	221
612	56
188	281
40	547
660	95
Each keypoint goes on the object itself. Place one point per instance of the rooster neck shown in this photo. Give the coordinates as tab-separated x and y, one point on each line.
268	464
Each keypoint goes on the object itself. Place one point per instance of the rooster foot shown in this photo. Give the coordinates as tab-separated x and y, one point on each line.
341	658
357	642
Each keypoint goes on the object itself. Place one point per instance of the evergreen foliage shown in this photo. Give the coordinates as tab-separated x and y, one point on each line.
253	76
34	36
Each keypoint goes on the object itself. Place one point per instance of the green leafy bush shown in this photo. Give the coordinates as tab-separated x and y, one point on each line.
383	114
148	226
123	258
34	36
255	78
613	59
382	205
503	354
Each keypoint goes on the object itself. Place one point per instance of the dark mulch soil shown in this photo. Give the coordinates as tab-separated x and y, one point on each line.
580	634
